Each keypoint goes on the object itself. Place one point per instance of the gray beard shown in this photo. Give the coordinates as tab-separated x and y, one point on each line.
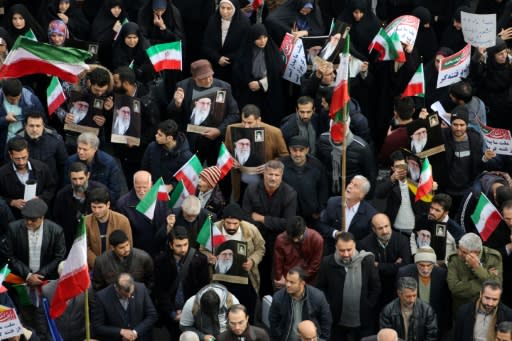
78	115
199	116
417	146
223	266
242	156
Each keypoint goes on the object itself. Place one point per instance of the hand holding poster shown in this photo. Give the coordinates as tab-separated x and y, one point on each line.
296	64
406	26
479	30
454	67
498	140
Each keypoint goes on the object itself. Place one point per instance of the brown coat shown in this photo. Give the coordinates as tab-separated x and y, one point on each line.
116	221
275	148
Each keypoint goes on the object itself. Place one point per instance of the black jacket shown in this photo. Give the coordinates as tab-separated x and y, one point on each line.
196	278
53	249
465	320
314	308
252	333
331	280
422	325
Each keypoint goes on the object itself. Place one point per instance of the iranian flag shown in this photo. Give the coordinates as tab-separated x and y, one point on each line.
178	195
338	110
388	47
28	57
158	192
416	86
189	173
486	217
425	182
30	35
165	56
3	275
224	161
210	236
55	95
74	278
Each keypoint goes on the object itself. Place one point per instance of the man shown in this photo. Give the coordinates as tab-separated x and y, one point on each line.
202	108
391	251
352	303
463	156
102	167
427	225
397	137
295	303
234	226
501	241
270	203
205	313
360	159
34	247
385	334
417	131
468	269
15	102
307	176
461	94
432	286
165	156
302	123
101	223
122	123
274	147
242	150
477	320
297	246
412	318
358	212
504	331
182	271
208	191
239	327
45	144
401	205
306	330
23	171
202	82
144	230
123	310
122	258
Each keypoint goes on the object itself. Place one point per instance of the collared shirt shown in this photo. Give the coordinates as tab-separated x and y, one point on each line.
350	212
482	324
237	236
35	240
404	220
23	176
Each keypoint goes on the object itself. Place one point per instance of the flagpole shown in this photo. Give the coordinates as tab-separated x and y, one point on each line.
87	320
344	154
211	231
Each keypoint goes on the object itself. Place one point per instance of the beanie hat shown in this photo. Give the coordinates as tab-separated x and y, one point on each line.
460	113
425	254
211	175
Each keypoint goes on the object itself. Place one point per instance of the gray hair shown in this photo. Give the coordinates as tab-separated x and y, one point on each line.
89	139
407	283
387	334
274	164
191	205
471	241
365	186
189	336
505	327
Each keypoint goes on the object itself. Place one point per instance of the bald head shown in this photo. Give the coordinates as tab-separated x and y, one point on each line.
381	226
141	183
387	334
306	330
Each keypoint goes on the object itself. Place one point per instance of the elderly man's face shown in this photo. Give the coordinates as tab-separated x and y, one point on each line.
354	190
272	178
124	112
204	82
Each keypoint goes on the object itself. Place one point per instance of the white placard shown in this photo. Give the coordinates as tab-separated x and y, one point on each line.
30	191
296	64
498	140
9	323
479	30
406	26
454	67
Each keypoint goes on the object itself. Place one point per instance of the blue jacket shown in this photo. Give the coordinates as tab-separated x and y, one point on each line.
314	308
28	102
103	169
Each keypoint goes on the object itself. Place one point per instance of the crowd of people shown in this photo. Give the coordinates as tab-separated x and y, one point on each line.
306	237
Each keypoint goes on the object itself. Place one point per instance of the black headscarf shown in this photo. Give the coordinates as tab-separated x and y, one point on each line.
78	25
101	29
174	24
30	23
426	40
123	55
362	32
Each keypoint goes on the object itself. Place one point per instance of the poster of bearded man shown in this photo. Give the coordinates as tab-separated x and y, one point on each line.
126	123
248	147
231	255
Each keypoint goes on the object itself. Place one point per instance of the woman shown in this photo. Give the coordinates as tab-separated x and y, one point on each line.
130	49
19	21
57	33
426	40
72	16
105	28
222	43
160	22
298	17
258	75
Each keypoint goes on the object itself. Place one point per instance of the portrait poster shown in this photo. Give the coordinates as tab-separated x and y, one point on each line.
82	110
433	234
248	147
231	255
92	47
126	121
435	141
208	109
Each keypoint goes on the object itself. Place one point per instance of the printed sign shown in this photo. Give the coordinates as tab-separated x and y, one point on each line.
479	30
454	67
